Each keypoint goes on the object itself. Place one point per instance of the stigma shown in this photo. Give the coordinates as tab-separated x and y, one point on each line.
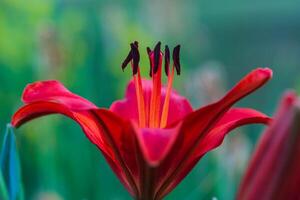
153	113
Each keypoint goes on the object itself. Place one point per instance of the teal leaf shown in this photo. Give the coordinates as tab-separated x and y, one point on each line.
10	165
3	190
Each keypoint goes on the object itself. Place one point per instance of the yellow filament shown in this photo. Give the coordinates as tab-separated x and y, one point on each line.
140	99
155	100
152	104
164	115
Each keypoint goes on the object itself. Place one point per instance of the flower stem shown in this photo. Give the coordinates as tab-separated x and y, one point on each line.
148	185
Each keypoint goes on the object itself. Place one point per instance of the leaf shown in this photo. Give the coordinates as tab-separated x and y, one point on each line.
3	190
10	166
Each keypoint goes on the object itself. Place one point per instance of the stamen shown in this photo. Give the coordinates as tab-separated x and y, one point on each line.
157	97
176	59
140	99
176	65
156	92
165	111
134	58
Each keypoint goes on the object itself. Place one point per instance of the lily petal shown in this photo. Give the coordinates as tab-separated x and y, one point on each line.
198	124
273	171
41	101
155	142
85	119
53	90
234	118
122	138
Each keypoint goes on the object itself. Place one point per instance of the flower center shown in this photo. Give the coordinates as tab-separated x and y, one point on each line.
152	115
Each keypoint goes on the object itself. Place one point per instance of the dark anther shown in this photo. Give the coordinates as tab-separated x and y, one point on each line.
167	60
176	59
135	57
149	52
127	60
156	57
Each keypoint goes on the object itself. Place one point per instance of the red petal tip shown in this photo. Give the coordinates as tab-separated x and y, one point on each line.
290	96
266	71
34	87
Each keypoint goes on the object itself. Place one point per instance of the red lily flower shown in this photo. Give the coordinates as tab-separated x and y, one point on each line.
273	172
153	137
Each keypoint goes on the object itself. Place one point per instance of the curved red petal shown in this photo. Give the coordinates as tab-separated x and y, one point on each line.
92	126
122	138
48	97
251	82
127	107
84	119
234	118
53	90
199	123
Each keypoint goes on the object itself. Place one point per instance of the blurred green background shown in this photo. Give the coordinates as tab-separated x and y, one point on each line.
83	42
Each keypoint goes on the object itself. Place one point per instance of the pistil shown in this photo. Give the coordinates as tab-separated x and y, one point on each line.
156	60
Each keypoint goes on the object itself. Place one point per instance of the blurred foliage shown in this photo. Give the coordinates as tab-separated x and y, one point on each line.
3	189
82	44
